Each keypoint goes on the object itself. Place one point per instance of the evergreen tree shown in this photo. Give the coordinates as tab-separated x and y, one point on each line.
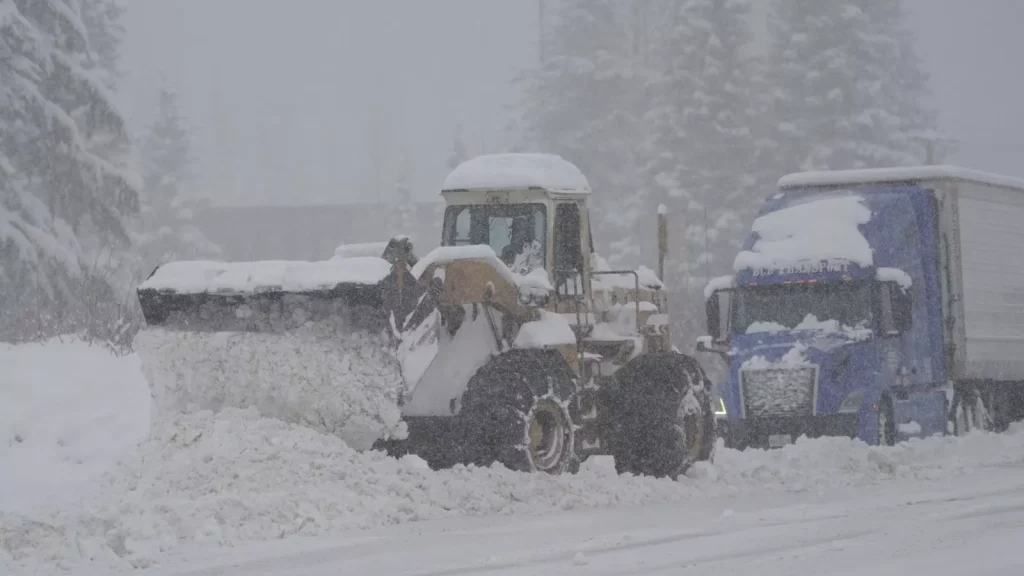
701	152
846	85
102	20
65	191
168	232
582	104
702	147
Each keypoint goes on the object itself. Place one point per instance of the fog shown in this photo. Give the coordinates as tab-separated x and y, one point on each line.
291	102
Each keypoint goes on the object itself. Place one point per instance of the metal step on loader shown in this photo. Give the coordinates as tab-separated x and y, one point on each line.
512	342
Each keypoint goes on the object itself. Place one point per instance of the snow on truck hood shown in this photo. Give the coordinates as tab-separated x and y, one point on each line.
196	277
825	229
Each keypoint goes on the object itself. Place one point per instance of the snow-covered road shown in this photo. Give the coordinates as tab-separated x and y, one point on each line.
973	524
89	486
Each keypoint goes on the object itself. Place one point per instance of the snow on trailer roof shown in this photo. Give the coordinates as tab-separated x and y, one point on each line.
198	277
519	170
901	174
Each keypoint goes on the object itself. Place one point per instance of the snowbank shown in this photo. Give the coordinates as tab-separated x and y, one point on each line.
528	170
68	411
204	480
219	480
811	465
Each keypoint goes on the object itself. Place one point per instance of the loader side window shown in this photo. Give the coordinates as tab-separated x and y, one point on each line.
568	250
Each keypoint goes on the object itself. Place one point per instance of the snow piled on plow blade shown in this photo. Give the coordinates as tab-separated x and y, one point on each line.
322	375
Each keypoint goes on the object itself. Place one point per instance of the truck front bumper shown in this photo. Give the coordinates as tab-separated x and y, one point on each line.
777	432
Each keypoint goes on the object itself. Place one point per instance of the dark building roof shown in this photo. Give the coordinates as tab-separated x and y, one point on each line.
311	232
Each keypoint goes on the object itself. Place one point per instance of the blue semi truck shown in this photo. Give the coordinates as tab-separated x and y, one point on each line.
876	304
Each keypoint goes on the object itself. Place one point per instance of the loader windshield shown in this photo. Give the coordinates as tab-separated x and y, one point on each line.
516	232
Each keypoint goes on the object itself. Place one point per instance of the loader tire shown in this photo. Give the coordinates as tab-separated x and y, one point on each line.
657	417
520	410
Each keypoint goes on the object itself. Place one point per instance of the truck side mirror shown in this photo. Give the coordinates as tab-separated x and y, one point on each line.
714	318
902	307
896	309
715	305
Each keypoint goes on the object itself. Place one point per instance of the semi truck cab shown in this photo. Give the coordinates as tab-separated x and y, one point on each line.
846	312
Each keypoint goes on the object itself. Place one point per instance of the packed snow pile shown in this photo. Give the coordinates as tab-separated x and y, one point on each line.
323	375
820	230
205	479
68	411
812	465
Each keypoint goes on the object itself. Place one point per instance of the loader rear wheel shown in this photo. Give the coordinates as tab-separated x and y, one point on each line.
520	410
657	416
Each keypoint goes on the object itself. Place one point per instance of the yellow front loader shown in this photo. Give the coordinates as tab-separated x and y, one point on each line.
512	342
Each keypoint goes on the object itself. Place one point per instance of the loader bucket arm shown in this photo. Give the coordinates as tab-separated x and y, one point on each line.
475	314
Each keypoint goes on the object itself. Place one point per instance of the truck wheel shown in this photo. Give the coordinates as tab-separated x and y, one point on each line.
656	416
886	424
520	410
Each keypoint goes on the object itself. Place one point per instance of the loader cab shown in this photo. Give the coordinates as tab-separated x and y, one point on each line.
527	229
531	209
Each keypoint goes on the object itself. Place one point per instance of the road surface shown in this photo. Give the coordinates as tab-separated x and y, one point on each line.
971	524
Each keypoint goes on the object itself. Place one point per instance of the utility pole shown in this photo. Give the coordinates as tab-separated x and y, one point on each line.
541	36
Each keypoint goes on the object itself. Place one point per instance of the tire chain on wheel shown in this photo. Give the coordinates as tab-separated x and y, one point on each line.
639	414
492	422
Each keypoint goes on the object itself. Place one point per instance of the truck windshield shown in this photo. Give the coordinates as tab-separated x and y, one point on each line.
516	232
812	306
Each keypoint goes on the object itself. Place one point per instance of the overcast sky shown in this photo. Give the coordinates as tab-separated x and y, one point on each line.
288	99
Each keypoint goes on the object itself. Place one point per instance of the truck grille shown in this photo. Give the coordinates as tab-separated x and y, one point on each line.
773	392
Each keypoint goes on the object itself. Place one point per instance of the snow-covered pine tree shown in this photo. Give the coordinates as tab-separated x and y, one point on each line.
582	103
846	84
167	230
702	145
102	19
700	155
65	193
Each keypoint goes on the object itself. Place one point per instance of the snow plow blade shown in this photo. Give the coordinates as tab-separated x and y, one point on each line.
310	343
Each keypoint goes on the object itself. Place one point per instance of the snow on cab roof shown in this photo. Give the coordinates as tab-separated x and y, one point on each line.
518	170
901	174
823	229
